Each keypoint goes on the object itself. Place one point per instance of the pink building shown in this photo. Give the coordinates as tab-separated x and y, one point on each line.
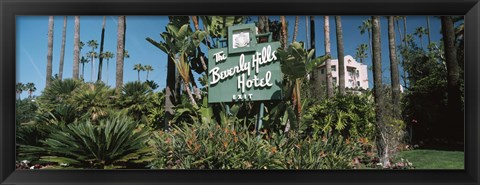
356	74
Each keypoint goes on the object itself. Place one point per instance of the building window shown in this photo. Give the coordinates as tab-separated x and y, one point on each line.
322	71
358	83
334	68
357	73
334	80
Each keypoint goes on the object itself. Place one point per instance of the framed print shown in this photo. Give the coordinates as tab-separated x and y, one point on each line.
239	92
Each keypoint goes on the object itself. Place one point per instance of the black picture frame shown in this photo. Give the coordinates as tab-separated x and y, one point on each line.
11	8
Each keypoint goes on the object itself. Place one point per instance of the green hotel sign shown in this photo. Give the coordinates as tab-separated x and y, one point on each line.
245	70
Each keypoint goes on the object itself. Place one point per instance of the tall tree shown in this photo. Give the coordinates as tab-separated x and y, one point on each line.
149	68
284	32
50	50
94	45
453	75
367	26
328	62
138	68
76	48
382	146
263	25
108	55
83	60
120	52
30	88
100	60
394	68
295	30
361	53
428	30
19	87
312	42
420	31
62	50
341	56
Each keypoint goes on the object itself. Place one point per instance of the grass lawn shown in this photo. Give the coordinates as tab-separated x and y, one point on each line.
433	159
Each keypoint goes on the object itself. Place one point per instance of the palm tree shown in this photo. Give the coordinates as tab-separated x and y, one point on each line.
50	50
83	60
367	26
382	146
284	32
76	48
100	61
394	68
120	52
148	68
312	35
428	30
138	68
31	88
263	25
420	31
328	62
93	55
295	30
361	53
62	51
341	62
94	45
19	88
453	75
107	55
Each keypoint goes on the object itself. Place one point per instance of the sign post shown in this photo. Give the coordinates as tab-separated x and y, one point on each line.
247	70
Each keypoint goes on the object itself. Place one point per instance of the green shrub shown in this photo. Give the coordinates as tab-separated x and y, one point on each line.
234	146
350	115
115	142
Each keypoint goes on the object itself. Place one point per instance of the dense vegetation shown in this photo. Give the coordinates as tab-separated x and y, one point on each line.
79	124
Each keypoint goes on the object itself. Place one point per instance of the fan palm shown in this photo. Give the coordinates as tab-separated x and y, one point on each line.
59	92
148	68
93	99
31	88
138	68
107	55
361	53
19	88
367	26
420	31
83	60
134	98
94	45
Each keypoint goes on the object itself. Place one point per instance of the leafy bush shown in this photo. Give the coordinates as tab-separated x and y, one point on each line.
115	143
350	115
234	146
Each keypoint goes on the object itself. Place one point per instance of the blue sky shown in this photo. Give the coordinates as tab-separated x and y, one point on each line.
32	39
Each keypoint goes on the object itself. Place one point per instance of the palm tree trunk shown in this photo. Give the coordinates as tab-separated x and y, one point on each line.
170	95
50	50
62	50
83	70
312	45
405	45
341	62
76	48
100	59
120	52
455	117
284	32
295	30
328	62
138	73
382	146
428	30
263	24
108	71
92	70
394	69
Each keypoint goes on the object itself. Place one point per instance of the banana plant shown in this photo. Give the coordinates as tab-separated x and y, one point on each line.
296	62
180	44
